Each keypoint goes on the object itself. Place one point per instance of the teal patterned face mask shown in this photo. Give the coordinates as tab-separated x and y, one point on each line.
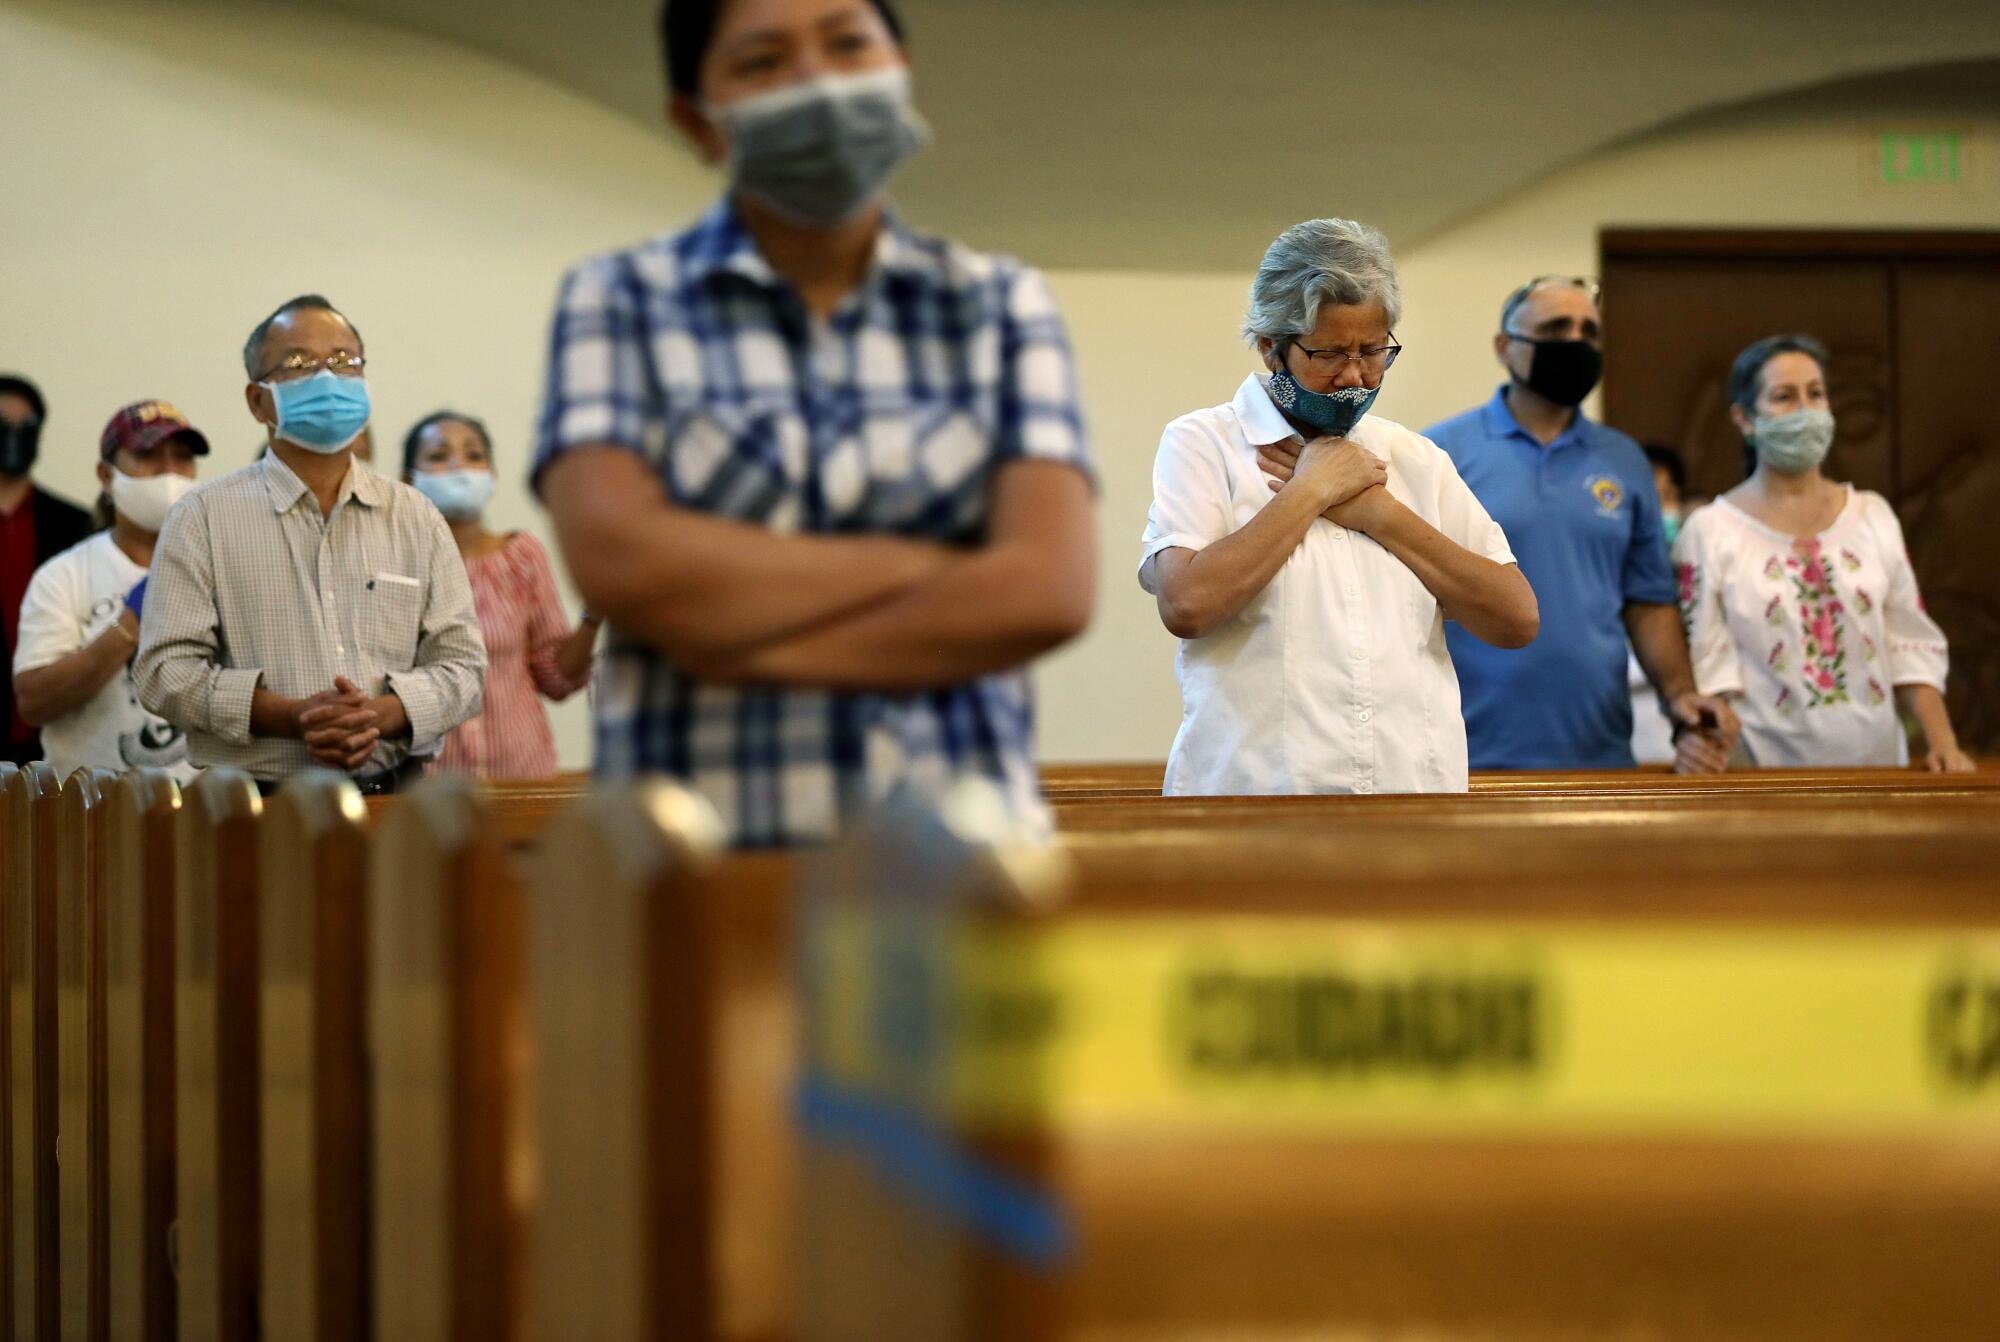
1670	522
1334	413
1793	444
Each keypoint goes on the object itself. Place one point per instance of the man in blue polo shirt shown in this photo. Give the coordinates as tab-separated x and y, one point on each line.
1577	502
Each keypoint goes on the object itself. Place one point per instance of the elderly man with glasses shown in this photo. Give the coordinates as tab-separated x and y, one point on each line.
1307	553
1577	501
304	610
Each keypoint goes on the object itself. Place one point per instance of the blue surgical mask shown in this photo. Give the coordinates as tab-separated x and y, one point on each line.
1334	413
323	413
460	495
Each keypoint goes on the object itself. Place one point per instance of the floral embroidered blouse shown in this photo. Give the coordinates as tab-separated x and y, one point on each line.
1812	635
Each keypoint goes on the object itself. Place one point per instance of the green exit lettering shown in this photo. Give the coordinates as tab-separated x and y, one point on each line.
1923	160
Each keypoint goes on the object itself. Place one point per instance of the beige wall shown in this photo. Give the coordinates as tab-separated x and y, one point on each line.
168	173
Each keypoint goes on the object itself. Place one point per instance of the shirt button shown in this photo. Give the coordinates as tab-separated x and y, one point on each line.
1362	785
1357	653
1364	715
1352	589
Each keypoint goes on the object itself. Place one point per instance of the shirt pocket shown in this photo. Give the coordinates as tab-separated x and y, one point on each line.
392	612
737	462
926	471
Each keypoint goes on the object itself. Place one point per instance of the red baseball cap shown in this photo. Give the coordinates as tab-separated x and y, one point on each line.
143	425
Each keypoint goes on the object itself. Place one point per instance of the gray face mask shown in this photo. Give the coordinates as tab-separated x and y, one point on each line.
1793	444
819	151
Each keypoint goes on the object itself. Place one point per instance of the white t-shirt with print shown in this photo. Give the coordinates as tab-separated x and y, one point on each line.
71	601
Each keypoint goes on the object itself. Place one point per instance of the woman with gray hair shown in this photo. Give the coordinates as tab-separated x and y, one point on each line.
1307	553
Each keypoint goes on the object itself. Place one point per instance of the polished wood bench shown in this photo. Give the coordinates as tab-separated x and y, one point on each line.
1134	780
968	1178
234	1094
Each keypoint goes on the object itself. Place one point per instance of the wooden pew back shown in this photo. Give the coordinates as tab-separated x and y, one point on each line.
660	993
1211	1212
218	1198
29	914
452	1172
142	827
81	1107
314	1070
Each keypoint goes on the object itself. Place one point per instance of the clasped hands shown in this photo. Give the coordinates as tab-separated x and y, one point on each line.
1351	480
342	726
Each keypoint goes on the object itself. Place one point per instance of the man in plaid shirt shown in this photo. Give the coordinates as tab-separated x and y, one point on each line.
826	478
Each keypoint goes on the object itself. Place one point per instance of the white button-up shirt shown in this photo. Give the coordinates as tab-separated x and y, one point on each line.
1335	677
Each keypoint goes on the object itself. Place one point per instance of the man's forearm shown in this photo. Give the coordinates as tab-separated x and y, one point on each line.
695	584
67	684
1661	647
273	715
391	719
991	612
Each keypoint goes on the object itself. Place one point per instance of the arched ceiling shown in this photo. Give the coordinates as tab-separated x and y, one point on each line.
1172	134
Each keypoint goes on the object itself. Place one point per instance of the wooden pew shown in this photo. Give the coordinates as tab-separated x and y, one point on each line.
81	1105
1170	821
1064	782
29	933
217	1237
141	829
314	1069
667	911
520	808
663	1032
452	1169
1206	1204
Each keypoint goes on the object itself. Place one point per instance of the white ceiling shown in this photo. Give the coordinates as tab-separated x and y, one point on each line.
1171	134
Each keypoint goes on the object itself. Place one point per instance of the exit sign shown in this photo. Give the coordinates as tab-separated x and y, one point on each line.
1926	158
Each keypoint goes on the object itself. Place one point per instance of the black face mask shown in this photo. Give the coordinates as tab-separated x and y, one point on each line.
1564	371
18	445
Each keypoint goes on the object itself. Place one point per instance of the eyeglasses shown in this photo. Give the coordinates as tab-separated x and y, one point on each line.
295	366
1372	358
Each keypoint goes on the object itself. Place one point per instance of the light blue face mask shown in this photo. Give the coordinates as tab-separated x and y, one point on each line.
323	413
461	496
1334	413
1795	443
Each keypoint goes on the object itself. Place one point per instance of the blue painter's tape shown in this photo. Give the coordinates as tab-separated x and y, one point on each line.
910	1153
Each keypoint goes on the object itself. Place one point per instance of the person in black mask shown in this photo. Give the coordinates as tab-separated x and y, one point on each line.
34	526
1579	507
825	477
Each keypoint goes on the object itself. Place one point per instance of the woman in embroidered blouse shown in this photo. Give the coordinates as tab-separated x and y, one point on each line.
1798	593
529	644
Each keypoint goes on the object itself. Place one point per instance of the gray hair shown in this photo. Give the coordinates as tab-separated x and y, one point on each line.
1321	260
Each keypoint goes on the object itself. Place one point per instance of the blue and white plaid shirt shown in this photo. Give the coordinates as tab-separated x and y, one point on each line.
890	417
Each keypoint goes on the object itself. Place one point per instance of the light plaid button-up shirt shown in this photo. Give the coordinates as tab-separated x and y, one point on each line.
890	417
252	588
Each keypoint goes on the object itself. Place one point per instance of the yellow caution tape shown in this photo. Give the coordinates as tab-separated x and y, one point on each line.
1317	1024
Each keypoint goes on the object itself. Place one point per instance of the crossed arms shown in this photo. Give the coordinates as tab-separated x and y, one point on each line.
734	602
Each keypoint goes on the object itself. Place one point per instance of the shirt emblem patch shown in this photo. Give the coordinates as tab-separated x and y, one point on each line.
1608	493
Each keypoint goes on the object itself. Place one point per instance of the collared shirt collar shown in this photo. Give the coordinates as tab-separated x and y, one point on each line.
360	484
1263	423
1500	423
719	244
